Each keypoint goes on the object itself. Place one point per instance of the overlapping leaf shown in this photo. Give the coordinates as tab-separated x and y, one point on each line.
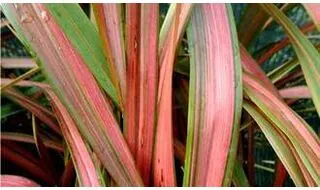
307	54
109	22
299	133
66	68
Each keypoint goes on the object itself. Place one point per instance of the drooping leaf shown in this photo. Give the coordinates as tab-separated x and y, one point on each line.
215	96
249	65
307	54
299	133
281	44
69	75
285	7
279	144
168	26
42	113
20	137
280	72
295	92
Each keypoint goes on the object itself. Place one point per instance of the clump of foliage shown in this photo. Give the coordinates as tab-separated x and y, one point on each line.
134	97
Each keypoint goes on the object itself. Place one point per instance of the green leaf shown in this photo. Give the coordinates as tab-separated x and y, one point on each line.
239	178
70	78
308	56
299	133
84	37
279	144
109	22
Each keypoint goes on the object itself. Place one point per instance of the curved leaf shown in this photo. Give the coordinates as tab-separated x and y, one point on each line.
74	84
309	57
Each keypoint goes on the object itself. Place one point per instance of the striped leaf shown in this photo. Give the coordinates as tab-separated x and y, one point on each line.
108	19
131	114
148	82
84	38
307	54
84	166
299	133
164	169
70	77
215	96
21	137
279	143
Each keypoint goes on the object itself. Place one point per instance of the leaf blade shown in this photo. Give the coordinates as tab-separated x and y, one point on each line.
201	98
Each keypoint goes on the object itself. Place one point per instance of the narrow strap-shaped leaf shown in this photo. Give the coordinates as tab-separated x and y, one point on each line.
307	54
249	65
283	70
278	143
148	83
314	12
300	134
21	77
81	157
168	26
215	96
25	83
20	137
281	44
84	37
16	181
131	113
295	75
74	84
295	92
164	169
108	19
15	63
285	7
42	113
